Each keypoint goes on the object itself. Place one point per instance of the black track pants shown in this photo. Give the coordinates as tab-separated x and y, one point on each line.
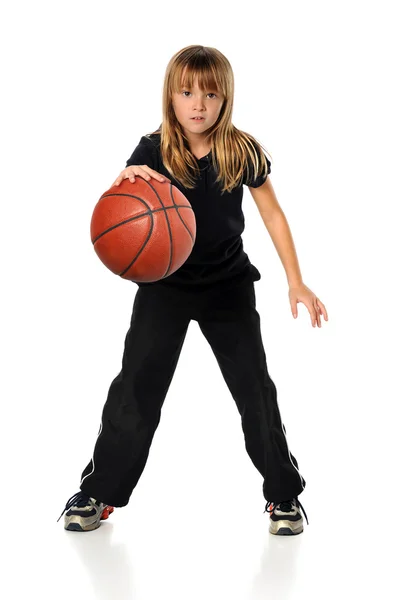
160	318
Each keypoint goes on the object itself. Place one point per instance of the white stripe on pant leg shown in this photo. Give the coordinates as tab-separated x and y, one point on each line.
290	458
98	435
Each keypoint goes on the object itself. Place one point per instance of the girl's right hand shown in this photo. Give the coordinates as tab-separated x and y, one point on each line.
142	170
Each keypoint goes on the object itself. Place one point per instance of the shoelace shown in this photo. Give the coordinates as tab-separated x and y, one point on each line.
285	506
78	499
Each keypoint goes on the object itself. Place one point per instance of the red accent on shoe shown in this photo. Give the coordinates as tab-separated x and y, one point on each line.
106	512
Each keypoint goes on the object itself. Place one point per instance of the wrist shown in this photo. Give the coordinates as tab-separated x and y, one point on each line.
295	282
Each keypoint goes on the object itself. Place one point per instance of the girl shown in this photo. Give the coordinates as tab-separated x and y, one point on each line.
198	149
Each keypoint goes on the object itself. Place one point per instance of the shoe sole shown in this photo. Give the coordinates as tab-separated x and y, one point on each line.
284	527
76	523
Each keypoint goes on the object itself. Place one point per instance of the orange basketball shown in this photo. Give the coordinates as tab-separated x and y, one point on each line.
143	231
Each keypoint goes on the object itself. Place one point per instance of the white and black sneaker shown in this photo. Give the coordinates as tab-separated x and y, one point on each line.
285	517
84	513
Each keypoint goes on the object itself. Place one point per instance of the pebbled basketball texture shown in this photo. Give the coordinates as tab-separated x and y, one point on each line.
143	231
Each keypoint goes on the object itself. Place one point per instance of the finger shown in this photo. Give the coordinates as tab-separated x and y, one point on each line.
129	175
119	179
313	314
293	306
317	313
145	174
154	174
158	176
322	309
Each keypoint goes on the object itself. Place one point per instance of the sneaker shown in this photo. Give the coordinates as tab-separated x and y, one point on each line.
285	517
84	513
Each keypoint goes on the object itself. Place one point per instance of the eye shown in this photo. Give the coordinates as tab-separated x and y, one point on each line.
212	93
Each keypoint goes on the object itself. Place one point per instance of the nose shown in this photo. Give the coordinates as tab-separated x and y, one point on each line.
199	104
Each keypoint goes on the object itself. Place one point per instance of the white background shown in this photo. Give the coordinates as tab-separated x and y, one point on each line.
317	84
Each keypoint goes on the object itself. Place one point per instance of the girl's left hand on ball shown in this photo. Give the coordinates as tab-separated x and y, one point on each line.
302	293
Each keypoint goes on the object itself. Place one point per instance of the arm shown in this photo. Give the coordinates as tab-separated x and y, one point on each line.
278	228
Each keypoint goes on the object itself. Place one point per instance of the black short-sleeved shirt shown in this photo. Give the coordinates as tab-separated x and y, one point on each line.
217	257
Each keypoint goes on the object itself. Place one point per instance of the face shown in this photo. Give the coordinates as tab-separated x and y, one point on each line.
194	102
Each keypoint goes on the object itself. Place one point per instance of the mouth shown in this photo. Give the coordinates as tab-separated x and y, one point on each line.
197	118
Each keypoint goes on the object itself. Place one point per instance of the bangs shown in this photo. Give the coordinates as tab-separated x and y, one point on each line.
208	78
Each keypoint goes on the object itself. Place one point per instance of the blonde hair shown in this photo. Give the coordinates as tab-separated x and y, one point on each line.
234	153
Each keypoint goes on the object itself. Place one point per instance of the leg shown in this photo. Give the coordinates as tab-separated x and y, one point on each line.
132	411
231	325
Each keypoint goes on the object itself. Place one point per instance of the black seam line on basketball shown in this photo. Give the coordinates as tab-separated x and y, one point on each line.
169	228
150	213
142	248
139	216
118	224
179	215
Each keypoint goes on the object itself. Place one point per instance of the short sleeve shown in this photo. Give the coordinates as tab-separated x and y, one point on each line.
143	154
250	178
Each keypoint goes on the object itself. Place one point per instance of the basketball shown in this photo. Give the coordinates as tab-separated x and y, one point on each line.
143	231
